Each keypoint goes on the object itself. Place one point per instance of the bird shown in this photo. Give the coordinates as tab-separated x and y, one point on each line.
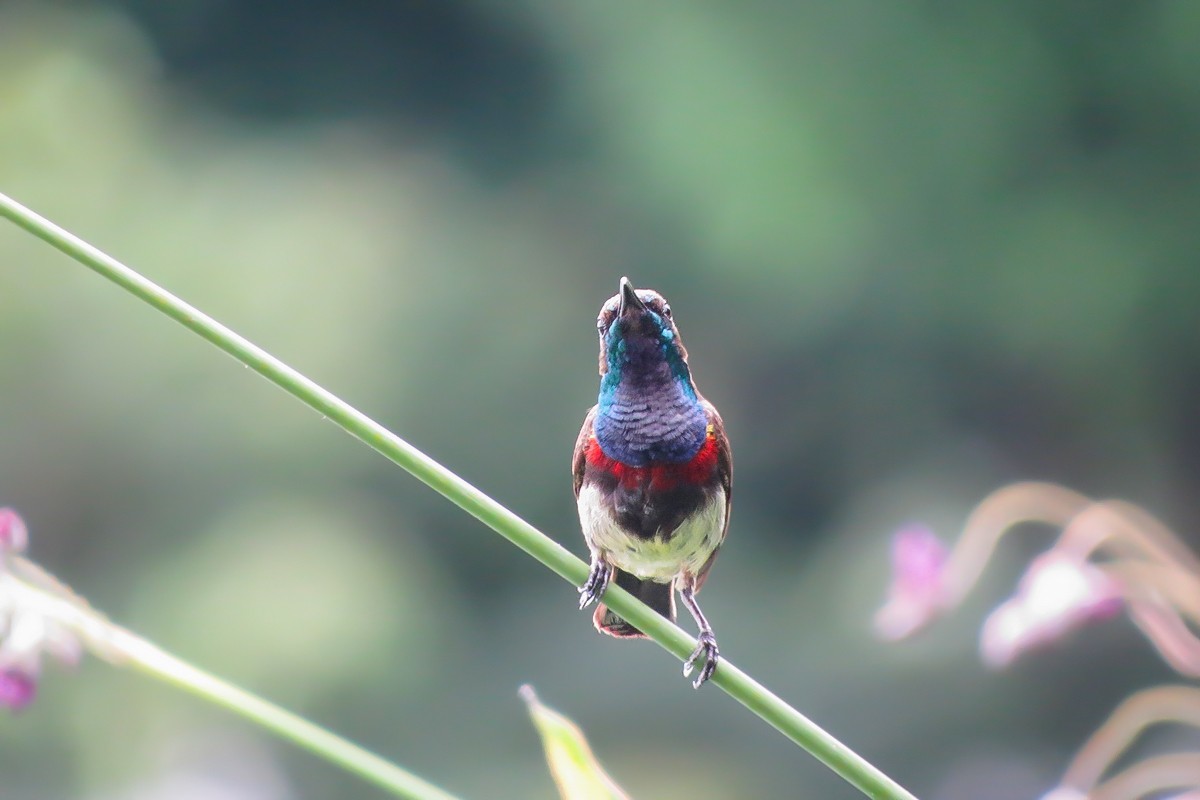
653	473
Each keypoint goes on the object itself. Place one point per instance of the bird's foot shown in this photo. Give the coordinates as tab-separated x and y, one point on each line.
706	648
596	583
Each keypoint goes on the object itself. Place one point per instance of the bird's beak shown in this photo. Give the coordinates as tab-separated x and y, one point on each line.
630	302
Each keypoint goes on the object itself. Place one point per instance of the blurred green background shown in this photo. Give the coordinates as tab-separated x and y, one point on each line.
917	250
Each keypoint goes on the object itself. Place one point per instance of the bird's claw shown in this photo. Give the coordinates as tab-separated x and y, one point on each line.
706	647
594	586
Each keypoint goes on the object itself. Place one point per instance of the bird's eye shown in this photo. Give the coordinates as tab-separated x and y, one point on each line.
666	311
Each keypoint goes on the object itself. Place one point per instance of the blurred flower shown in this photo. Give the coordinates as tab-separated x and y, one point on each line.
916	591
1124	531
1064	793
1150	777
1057	594
927	580
14	538
17	689
1167	631
1148	570
1108	556
27	630
1157	706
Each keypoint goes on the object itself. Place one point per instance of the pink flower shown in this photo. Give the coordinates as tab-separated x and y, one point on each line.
13	535
1058	593
917	587
27	630
17	688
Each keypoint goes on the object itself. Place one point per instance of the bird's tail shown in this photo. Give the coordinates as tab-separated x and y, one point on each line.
659	596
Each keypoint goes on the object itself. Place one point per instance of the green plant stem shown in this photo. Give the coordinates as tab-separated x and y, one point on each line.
296	729
122	647
841	759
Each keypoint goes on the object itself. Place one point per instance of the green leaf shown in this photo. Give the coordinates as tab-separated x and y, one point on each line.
577	773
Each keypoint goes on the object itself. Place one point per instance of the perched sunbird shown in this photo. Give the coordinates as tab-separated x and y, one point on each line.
653	472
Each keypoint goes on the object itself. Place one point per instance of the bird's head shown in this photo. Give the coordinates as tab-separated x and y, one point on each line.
638	339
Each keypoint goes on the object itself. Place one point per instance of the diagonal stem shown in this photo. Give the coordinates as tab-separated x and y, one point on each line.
31	587
805	733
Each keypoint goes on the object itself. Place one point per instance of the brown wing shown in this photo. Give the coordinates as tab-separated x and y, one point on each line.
579	458
725	473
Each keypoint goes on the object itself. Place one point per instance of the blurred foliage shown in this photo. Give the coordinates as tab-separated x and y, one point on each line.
577	774
917	250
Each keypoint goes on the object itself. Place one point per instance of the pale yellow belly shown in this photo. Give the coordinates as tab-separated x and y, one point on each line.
657	558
